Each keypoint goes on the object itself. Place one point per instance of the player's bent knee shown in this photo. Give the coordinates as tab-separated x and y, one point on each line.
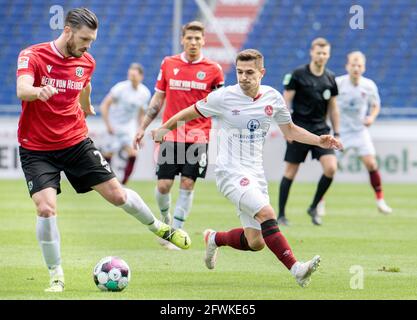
265	214
164	189
187	184
118	198
256	245
330	171
46	210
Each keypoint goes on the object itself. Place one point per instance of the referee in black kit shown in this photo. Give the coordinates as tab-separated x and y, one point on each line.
310	92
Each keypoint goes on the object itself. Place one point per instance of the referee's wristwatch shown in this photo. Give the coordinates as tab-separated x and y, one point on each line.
336	134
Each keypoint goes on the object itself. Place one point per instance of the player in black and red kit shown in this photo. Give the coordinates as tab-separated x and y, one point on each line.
53	82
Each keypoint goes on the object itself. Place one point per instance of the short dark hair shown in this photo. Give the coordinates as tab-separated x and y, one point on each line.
251	55
194	26
79	17
321	42
136	66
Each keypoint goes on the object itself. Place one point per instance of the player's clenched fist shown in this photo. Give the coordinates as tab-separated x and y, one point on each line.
330	142
46	92
158	134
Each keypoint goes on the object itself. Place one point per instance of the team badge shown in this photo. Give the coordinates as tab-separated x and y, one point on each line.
269	110
23	63
326	94
201	75
253	125
79	72
244	182
287	79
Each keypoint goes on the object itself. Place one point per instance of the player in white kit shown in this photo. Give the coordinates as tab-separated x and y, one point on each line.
125	102
245	112
359	105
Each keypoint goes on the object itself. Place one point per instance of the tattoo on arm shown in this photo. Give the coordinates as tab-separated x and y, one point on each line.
153	111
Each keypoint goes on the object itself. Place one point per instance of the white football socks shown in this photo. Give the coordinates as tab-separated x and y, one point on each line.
136	207
164	201
49	240
182	208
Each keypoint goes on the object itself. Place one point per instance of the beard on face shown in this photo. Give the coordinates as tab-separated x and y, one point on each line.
72	49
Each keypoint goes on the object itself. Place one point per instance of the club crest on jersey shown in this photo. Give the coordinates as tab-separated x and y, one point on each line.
79	72
23	63
201	75
326	94
253	125
244	182
269	111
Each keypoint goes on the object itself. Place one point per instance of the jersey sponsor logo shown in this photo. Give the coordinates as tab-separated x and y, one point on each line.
253	125
269	110
186	85
326	94
79	72
244	182
287	79
235	112
176	70
49	68
23	63
61	83
201	75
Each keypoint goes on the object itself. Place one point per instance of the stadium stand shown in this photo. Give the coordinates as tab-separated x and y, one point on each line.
134	30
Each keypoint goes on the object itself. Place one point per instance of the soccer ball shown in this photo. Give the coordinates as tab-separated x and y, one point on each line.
111	274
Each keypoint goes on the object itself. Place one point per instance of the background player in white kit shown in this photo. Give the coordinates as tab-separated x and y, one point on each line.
357	95
245	112
125	102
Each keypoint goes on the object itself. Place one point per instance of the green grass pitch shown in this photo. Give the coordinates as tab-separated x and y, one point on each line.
353	234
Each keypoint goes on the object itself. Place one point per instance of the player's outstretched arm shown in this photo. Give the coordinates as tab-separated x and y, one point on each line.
85	101
294	132
175	121
155	105
104	108
25	90
334	114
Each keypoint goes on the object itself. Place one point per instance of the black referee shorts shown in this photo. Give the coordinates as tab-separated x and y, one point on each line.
188	159
83	165
297	152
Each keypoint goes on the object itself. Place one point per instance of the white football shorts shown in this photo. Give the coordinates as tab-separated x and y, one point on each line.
248	192
360	141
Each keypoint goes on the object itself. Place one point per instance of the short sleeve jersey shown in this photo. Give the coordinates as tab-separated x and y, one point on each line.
185	83
243	124
127	101
59	122
354	102
312	95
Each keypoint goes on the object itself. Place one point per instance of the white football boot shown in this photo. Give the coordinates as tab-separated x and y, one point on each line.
383	207
211	248
302	270
56	284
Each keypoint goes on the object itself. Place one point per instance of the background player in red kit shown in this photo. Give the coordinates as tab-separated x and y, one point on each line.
53	82
183	80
